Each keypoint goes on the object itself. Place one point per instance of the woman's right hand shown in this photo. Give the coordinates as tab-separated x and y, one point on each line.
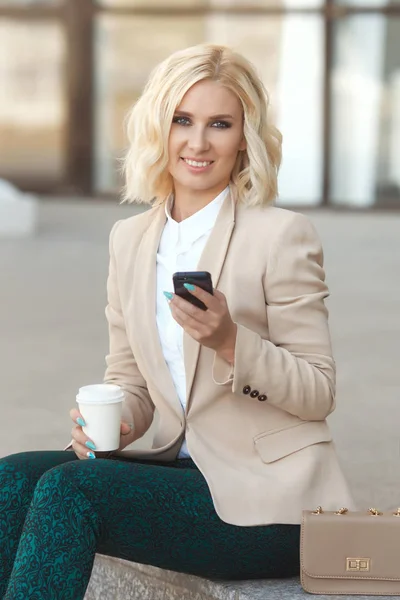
84	447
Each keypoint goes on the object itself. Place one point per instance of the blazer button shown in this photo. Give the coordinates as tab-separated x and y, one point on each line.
254	394
262	398
246	389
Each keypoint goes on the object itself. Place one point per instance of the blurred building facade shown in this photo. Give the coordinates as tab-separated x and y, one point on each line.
70	70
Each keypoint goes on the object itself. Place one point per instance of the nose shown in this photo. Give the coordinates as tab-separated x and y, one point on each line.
198	140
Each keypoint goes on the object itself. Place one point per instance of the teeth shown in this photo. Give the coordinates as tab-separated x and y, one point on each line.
194	163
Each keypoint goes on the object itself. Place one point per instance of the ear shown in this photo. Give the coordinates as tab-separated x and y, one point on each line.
243	144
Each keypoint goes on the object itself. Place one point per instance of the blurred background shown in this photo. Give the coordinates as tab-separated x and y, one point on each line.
70	70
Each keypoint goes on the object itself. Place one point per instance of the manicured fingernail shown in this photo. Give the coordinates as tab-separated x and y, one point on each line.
90	445
91	455
168	295
81	422
189	287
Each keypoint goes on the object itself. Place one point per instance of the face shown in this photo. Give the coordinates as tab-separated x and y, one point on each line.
205	138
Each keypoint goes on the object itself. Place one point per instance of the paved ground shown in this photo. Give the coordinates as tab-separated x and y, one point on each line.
53	333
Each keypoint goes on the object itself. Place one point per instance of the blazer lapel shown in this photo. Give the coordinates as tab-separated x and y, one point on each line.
144	311
212	260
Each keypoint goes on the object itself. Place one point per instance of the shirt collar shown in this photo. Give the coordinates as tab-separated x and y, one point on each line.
198	224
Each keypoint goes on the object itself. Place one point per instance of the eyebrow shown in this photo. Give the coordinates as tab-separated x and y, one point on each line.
183	113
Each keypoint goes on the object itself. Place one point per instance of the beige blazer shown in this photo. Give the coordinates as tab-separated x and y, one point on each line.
258	432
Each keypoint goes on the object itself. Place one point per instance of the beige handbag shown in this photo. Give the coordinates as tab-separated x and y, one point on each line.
347	552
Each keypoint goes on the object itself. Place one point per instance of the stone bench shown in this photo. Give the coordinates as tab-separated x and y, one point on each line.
115	579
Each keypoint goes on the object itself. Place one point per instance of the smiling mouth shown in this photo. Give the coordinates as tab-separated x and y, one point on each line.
198	164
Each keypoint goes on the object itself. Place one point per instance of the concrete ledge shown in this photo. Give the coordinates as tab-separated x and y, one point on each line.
115	579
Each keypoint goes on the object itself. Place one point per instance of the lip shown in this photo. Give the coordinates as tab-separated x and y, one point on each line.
197	159
196	170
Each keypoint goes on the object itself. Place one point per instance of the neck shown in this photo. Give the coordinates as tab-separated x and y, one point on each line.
188	202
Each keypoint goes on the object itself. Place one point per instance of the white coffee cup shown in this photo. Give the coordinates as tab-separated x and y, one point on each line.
101	407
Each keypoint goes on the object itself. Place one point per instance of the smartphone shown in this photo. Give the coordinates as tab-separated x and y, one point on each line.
200	278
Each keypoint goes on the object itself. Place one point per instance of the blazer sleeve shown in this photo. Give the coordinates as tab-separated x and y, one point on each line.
294	369
122	368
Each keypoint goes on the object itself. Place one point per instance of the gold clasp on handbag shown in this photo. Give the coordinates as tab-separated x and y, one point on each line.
317	511
374	512
357	564
342	511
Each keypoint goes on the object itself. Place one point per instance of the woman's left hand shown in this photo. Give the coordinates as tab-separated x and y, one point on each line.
213	328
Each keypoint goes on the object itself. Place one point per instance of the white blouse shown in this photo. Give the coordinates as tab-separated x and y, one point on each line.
180	249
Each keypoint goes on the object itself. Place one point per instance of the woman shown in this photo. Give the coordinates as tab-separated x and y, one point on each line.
242	389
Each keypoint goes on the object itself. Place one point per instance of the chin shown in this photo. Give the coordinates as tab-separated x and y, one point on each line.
200	187
195	183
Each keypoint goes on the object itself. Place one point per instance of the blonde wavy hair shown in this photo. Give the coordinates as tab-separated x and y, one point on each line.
146	162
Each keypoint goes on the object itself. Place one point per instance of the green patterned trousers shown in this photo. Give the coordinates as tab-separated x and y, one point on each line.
56	512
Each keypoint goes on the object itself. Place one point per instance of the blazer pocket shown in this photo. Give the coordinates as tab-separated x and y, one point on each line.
273	445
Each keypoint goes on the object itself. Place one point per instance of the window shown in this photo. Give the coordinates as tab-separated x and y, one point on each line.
32	100
366	111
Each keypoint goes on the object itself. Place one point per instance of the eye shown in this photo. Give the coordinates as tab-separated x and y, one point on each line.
221	125
181	120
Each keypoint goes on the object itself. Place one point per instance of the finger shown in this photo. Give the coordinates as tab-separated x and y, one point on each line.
209	299
188	309
185	319
82	452
126	428
81	438
220	296
77	417
198	331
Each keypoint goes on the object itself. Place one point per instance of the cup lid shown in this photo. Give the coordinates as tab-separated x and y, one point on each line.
100	393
